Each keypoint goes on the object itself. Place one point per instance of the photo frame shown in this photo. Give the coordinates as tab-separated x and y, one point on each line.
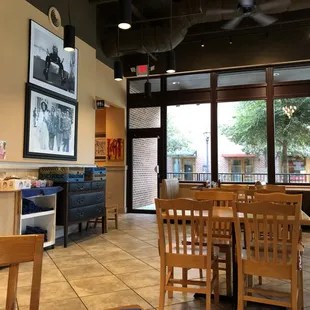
115	149
50	125
100	147
50	66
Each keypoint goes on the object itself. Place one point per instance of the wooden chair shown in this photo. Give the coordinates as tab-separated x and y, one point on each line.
275	188
21	249
280	198
221	230
109	211
170	189
175	252
273	255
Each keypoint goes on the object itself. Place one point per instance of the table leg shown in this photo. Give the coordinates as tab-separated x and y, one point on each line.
235	270
80	227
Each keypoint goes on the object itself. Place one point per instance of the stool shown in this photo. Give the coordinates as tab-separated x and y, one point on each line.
112	210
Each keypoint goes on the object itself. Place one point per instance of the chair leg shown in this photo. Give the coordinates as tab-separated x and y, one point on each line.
162	291
184	276
228	271
294	288
170	269
106	221
208	290
116	218
96	221
87	225
300	290
240	290
217	283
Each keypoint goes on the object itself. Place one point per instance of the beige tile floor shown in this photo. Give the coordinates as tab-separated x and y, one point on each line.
119	268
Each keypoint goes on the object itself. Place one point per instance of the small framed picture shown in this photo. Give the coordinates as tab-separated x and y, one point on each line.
50	125
50	66
100	147
116	149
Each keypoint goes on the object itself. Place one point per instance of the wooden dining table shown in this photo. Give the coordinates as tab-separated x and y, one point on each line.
226	214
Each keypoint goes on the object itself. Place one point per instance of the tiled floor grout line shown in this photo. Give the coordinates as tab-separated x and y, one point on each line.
67	279
112	272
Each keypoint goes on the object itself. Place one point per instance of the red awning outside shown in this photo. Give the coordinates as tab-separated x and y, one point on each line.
239	155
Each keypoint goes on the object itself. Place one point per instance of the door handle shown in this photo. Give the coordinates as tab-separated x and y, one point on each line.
156	169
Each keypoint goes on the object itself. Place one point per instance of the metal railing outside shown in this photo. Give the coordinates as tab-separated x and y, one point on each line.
239	177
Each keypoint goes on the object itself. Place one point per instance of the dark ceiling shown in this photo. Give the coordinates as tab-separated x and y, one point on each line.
194	21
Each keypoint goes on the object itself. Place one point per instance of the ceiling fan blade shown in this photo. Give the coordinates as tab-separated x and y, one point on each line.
276	4
246	2
232	24
220	12
263	19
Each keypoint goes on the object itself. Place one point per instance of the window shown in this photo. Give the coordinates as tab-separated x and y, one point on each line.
291	74
241	78
292	140
190	81
137	86
144	118
242	141
188	142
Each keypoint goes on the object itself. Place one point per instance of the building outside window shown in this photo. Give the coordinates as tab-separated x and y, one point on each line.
188	142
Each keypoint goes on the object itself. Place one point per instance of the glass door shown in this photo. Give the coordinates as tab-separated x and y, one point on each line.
143	172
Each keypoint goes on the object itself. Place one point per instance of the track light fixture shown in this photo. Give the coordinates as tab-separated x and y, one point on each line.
230	41
118	66
148	85
171	62
124	14
202	43
171	68
118	70
69	34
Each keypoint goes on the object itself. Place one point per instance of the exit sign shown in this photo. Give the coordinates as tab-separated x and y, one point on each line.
142	70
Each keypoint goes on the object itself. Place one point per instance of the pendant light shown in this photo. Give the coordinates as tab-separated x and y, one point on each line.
124	14
118	66
171	55
148	85
69	34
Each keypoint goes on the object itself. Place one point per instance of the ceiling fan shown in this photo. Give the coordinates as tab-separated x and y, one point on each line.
249	8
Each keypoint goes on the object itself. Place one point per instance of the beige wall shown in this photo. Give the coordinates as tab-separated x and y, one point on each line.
112	122
94	80
115	92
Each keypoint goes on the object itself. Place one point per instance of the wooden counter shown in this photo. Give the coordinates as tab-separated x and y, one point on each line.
10	201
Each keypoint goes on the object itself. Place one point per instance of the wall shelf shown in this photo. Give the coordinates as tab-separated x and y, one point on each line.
37	214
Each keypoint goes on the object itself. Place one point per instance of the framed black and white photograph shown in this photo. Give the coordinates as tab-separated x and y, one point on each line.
50	66
50	125
100	147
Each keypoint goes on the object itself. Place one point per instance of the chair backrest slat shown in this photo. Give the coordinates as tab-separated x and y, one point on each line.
15	250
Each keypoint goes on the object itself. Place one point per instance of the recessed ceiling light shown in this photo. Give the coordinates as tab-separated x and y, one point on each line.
176	83
276	74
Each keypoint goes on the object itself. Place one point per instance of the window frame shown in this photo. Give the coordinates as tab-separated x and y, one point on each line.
266	91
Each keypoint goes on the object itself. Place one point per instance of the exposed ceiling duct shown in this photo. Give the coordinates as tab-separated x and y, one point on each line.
155	37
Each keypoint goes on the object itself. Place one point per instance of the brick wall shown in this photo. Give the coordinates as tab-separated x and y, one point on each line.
144	176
